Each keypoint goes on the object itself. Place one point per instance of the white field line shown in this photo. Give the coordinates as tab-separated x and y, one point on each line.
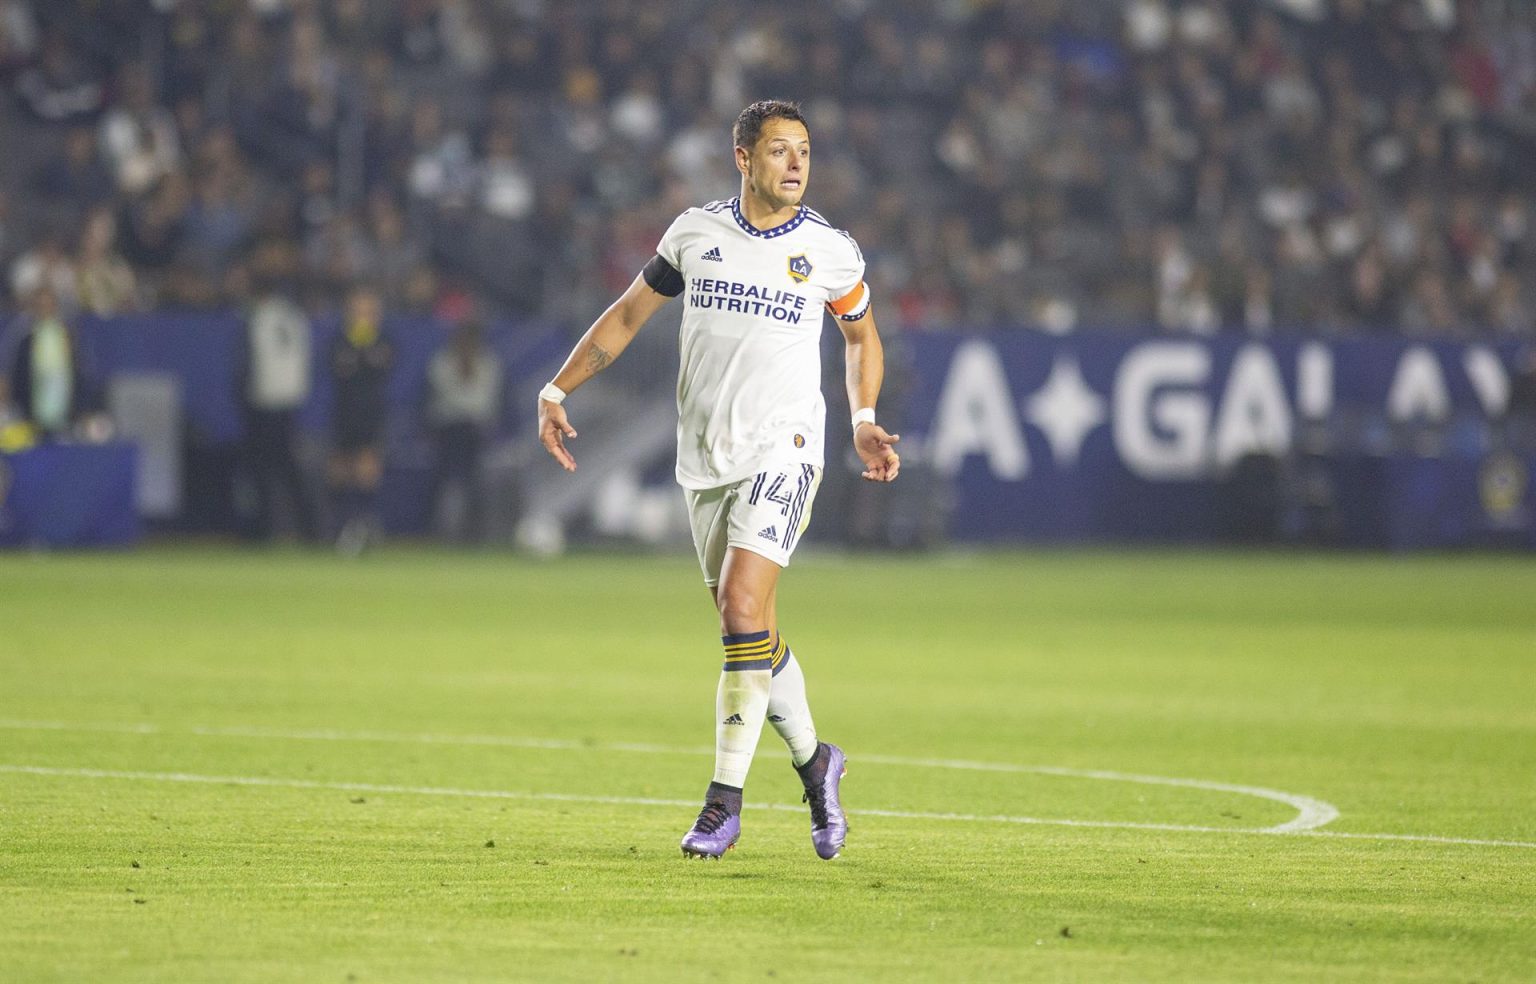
499	794
1311	813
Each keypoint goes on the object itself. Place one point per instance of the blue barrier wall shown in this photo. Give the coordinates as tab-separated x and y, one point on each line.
1095	436
1366	440
203	351
58	495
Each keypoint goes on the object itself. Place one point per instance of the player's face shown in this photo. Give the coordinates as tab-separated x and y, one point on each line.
779	166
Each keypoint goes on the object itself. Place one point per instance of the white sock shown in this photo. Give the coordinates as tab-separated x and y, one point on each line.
741	704
788	711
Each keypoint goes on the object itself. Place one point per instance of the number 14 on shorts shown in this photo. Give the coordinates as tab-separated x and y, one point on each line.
786	492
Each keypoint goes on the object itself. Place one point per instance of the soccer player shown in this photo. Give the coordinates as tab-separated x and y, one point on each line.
756	272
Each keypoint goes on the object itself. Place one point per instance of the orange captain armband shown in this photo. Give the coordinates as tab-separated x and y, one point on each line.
853	305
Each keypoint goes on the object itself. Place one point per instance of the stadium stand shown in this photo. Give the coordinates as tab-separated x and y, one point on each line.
1198	165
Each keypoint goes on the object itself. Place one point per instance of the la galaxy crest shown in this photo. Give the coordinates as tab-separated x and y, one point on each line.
1501	484
799	268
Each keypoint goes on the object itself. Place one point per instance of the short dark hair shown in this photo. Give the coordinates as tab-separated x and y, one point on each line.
749	125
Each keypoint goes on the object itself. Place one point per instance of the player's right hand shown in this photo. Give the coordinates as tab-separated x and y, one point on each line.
554	428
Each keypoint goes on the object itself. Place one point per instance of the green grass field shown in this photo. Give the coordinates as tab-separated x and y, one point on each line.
436	766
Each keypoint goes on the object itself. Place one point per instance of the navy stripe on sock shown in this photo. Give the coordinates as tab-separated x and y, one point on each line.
747	651
782	659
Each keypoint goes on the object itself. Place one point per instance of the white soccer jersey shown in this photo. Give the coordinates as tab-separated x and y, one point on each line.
749	385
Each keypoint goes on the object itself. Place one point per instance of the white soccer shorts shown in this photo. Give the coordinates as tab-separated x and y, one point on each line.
764	514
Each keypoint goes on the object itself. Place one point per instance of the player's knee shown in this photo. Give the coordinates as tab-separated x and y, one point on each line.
742	608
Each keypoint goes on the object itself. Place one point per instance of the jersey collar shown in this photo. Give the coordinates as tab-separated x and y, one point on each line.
773	233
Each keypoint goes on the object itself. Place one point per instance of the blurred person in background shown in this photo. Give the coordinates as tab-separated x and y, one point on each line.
75	178
138	135
464	383
60	86
222	209
360	363
153	228
47	266
274	385
106	281
18	36
49	385
390	252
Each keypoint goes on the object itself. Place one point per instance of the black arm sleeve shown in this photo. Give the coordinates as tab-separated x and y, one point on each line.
662	277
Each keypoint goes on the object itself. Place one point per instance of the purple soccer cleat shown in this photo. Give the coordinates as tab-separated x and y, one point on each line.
829	825
714	833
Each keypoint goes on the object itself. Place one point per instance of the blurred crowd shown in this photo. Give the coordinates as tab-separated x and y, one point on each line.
1198	165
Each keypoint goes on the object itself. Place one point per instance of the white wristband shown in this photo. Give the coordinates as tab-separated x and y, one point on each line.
552	393
864	416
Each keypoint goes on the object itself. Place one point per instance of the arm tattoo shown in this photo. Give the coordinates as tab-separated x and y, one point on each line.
598	358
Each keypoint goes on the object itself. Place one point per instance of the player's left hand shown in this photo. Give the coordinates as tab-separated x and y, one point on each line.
881	462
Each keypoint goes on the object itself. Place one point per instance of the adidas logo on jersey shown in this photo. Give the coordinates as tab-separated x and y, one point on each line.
713	254
734	719
770	533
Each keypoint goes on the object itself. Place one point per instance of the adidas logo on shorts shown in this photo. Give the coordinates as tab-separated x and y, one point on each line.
770	533
713	254
734	719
